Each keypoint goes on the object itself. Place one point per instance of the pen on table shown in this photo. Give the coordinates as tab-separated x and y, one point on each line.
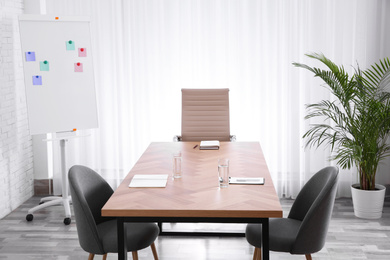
195	146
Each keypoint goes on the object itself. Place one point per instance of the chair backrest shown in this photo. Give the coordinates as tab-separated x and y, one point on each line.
89	193
205	115
314	206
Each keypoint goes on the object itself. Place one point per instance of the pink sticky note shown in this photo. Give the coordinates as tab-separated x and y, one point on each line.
78	67
82	52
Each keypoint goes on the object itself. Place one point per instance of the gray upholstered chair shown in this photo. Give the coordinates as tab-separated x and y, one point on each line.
304	230
205	115
97	234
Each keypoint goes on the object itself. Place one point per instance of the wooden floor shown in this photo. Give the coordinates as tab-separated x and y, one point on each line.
46	237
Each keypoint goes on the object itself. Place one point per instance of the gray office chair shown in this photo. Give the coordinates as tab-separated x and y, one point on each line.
205	115
97	234
304	230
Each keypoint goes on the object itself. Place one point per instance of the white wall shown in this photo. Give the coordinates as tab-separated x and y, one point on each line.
16	152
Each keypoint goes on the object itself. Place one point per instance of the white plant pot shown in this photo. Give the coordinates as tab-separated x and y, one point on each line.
368	204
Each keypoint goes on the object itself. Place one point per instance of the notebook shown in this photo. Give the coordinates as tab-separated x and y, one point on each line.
149	181
209	145
246	180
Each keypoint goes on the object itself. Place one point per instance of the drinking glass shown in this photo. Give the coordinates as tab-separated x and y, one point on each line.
223	172
176	160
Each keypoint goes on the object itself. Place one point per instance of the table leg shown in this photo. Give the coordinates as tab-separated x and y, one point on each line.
159	224
265	239
122	237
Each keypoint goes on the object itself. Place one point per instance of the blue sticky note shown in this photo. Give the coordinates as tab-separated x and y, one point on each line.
44	65
37	80
30	56
70	46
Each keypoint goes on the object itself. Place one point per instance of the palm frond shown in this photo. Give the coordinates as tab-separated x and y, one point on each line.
359	115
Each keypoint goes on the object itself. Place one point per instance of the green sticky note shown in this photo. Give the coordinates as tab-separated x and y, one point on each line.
44	65
70	46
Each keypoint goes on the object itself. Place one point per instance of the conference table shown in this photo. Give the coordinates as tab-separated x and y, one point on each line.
196	196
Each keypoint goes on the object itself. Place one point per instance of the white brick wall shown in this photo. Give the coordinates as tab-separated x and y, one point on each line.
16	155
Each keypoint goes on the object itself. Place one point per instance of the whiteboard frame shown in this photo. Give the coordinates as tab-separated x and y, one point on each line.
59	105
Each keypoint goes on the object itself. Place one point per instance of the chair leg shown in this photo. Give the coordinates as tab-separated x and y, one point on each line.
104	256
308	257
257	254
153	246
91	256
135	255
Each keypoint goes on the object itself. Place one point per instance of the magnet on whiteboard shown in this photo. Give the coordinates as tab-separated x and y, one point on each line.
82	52
78	67
44	65
37	80
70	45
30	56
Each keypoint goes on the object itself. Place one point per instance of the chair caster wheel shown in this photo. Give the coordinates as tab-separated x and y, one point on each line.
29	217
67	221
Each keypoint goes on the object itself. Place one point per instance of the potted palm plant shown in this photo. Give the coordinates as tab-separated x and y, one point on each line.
356	125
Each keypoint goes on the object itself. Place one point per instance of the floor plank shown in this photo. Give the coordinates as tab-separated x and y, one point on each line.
46	237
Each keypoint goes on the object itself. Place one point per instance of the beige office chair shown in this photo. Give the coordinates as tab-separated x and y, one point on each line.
205	115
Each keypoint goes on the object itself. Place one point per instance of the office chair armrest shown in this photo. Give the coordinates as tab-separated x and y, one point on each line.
177	138
232	138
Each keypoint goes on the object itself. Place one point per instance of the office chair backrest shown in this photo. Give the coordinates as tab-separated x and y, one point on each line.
89	193
205	115
314	206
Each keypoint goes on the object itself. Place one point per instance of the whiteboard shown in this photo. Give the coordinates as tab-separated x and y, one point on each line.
58	73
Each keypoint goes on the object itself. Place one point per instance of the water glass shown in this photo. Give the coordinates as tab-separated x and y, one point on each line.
223	172
176	160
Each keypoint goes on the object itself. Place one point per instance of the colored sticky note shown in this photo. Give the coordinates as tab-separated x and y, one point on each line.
44	65
70	46
82	52
78	67
37	80
30	56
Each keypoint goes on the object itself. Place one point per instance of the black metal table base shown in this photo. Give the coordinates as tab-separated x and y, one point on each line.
198	233
202	234
122	250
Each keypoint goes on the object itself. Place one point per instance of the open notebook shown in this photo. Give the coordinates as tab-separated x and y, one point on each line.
149	181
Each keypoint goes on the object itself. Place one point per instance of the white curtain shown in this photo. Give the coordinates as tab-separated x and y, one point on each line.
145	51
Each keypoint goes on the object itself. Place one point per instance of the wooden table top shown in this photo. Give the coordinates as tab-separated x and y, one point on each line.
197	193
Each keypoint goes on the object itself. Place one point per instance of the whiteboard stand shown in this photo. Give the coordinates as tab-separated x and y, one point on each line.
59	83
65	200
